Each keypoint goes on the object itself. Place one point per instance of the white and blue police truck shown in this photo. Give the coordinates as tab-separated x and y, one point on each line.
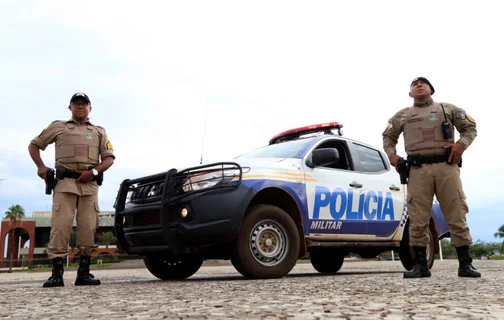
309	192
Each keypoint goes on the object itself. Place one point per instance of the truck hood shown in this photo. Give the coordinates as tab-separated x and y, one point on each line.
265	164
271	163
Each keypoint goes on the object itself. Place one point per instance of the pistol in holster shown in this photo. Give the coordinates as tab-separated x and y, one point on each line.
50	180
448	152
98	178
403	170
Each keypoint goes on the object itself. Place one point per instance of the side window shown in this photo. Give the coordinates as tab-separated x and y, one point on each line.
370	159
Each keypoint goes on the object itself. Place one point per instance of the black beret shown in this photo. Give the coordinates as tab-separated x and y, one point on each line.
424	80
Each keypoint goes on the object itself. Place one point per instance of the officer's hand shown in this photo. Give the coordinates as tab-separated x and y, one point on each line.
456	152
41	172
85	176
394	159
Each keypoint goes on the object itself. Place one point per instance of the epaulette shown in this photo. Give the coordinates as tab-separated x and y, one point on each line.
59	122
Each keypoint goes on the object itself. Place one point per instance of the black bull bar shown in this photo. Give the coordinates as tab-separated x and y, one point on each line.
170	193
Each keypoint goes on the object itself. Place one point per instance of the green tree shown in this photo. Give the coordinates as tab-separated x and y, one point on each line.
107	238
14	213
500	235
447	249
481	249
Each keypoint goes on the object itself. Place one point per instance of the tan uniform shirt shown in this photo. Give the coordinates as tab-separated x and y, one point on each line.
78	147
421	124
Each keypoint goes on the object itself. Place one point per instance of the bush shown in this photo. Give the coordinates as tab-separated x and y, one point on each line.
479	250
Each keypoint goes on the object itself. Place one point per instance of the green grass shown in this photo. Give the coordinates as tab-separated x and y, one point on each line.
501	257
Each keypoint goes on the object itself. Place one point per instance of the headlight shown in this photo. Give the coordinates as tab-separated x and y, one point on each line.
128	196
207	180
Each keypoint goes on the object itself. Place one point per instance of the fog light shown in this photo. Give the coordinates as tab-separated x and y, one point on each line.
184	212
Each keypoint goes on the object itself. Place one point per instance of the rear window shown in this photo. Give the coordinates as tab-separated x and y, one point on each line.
370	159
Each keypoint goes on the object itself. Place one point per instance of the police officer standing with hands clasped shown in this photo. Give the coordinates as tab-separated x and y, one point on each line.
79	145
434	162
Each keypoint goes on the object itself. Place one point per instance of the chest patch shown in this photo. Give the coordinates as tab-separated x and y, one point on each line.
433	117
89	135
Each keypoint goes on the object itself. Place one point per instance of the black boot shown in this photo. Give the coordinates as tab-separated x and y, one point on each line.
56	279
465	263
420	269
84	278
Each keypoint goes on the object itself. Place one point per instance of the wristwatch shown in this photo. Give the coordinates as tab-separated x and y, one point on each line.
95	172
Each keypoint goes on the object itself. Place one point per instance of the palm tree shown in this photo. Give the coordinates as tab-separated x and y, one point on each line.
14	213
500	234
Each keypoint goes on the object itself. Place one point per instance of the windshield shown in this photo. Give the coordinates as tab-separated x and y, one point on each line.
290	149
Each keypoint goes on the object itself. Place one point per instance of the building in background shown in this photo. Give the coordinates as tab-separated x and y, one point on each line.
34	232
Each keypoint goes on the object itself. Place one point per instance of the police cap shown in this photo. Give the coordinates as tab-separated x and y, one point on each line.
424	80
80	95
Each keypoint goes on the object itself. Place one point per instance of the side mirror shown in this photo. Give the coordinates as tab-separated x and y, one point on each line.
323	157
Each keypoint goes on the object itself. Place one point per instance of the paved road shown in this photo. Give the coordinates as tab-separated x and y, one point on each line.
361	290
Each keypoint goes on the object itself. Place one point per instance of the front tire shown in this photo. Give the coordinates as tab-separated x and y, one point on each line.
407	254
173	267
267	245
327	260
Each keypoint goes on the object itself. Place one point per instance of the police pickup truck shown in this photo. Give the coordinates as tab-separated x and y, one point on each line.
308	192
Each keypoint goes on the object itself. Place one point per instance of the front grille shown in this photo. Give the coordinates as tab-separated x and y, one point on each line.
143	219
152	191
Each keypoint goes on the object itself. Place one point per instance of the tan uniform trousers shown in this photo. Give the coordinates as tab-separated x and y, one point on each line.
63	213
443	180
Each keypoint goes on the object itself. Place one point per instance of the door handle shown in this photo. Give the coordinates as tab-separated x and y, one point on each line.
393	187
355	184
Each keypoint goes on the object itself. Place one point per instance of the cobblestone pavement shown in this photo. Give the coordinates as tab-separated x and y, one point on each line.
361	290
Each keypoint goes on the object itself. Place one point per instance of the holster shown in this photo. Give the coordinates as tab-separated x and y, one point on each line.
50	181
448	151
403	170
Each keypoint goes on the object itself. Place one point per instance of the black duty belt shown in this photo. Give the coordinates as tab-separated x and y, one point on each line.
62	172
417	160
65	173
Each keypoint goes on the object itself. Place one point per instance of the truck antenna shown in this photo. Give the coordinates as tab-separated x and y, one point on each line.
204	132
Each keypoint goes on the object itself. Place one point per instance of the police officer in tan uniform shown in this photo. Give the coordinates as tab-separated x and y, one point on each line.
434	161
79	145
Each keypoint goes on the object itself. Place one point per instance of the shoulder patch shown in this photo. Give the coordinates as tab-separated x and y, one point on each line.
109	146
461	115
389	125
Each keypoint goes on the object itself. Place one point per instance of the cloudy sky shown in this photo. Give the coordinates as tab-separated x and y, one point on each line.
153	70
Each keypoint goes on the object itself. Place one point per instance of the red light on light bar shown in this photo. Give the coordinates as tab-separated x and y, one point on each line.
293	133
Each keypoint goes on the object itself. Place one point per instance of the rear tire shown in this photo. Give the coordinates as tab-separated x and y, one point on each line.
267	245
173	267
327	260
407	254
